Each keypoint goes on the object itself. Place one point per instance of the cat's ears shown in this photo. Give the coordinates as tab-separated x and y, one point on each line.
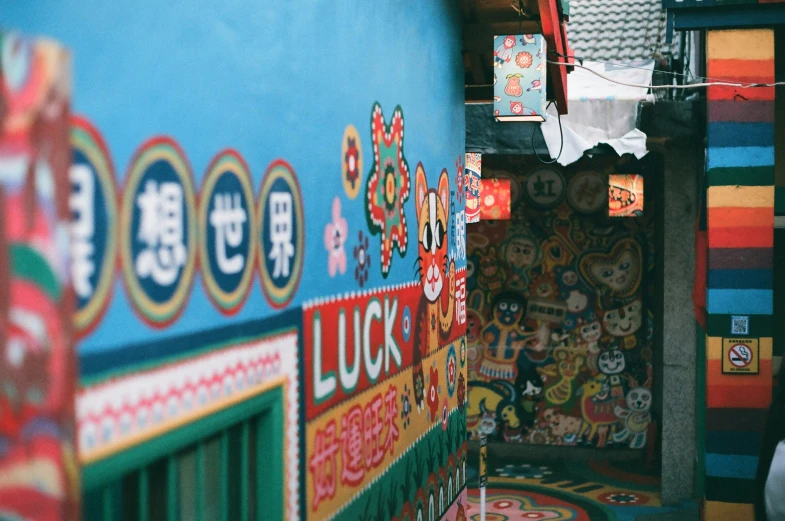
420	187
444	190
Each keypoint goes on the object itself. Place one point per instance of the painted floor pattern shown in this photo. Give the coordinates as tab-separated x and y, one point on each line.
585	491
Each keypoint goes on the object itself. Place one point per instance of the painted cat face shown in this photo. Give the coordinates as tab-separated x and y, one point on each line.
508	311
611	362
432	232
617	273
591	332
639	399
520	252
625	320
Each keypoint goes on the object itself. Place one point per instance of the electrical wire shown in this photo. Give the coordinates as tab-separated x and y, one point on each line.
622	65
561	146
689	86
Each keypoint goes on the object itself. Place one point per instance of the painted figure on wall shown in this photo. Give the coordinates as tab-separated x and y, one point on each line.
503	337
577	352
434	269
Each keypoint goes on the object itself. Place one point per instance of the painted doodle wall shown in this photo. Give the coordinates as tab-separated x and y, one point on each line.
267	208
560	325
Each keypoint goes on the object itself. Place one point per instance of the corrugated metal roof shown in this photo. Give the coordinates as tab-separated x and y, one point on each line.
619	30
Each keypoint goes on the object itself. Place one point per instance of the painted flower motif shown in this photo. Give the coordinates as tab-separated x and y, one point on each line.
351	160
463	352
406	406
362	258
451	370
388	186
433	393
461	391
445	414
419	385
336	234
406	323
524	60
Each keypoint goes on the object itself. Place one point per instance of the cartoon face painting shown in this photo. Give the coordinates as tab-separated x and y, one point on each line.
611	362
624	320
591	332
616	273
432	233
509	309
516	107
520	251
569	278
639	399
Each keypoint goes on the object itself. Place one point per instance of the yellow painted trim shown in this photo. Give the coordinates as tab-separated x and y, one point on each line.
114	448
741	196
714	348
717	511
741	44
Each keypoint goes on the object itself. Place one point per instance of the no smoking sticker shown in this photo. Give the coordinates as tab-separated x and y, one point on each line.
740	356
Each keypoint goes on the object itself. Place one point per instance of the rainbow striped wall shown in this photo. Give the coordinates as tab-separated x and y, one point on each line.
740	206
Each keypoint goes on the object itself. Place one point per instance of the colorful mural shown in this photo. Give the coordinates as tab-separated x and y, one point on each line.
37	370
560	326
229	249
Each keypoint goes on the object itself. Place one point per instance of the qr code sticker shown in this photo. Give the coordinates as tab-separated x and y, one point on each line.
740	326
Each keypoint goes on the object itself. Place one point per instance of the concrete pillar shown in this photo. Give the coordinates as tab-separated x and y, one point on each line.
682	165
739	299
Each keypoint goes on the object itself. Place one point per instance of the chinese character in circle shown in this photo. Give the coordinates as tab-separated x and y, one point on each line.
281	232
161	231
82	230
227	218
543	188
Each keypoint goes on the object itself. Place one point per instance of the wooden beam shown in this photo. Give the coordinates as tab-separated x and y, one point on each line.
479	37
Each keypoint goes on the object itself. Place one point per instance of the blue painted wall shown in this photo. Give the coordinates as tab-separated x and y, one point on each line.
271	79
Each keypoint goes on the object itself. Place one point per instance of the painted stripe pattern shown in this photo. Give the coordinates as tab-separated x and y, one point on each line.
740	223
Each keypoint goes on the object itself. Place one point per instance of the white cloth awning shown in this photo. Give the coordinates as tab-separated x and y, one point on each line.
600	112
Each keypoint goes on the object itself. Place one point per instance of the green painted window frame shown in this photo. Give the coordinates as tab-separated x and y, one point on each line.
103	479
